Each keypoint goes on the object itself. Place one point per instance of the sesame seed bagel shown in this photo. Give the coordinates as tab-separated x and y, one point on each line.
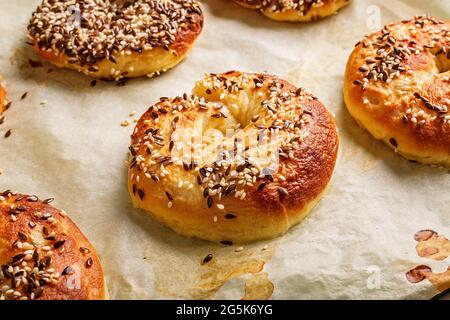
243	157
295	10
397	86
108	39
43	255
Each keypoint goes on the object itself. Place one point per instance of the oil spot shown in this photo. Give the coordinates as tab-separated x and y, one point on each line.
189	279
430	245
435	247
258	287
417	274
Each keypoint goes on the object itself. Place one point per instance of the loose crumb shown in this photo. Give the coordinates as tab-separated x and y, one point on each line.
8	133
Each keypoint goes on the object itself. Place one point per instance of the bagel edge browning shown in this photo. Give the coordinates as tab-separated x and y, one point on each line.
132	64
31	229
386	109
328	8
262	214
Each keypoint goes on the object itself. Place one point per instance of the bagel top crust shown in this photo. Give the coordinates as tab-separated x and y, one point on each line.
219	181
398	79
43	254
295	10
86	32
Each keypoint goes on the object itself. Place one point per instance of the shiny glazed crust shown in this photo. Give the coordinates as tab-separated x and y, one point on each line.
127	62
407	106
273	202
313	12
44	254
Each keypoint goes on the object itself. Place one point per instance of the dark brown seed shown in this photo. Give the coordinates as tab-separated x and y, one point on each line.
38	292
210	202
134	189
18	257
424	235
67	270
22	237
207	259
8	105
47	201
417	274
48	261
199	180
35	256
24	96
226	242
45	231
84	250
393	142
405	119
283	192
93	83
230	216
169	196
59	244
8	133
269	177
261	187
32	199
89	263
141	194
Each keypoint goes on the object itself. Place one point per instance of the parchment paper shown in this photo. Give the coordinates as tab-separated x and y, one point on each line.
357	243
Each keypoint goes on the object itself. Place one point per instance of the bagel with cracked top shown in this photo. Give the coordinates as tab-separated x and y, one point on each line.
243	157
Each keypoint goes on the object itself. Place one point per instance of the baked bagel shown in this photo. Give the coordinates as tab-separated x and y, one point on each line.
109	39
2	99
43	255
244	157
295	10
397	87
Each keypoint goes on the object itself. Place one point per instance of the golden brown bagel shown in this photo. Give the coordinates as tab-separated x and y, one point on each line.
130	38
43	255
2	99
198	185
295	10
397	87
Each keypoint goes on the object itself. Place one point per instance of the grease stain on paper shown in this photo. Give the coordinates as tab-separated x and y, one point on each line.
193	280
258	287
431	245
